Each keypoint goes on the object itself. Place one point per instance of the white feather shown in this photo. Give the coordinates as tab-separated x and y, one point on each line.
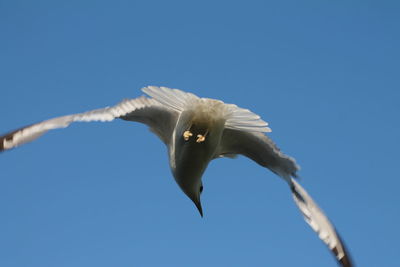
235	117
34	131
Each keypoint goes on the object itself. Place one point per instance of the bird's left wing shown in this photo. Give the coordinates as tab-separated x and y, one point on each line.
320	223
262	150
258	147
142	109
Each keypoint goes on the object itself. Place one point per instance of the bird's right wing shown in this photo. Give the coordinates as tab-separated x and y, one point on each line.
262	150
145	110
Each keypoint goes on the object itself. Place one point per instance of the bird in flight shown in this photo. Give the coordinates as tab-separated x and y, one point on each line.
197	130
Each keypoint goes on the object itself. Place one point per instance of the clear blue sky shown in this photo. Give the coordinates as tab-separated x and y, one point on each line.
324	74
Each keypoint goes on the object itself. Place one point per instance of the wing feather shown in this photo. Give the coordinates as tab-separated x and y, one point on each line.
236	117
320	223
121	110
262	150
173	98
258	147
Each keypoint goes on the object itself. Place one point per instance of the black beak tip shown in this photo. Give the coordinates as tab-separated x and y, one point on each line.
200	209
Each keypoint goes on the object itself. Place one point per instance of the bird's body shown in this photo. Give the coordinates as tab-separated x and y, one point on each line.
196	131
198	148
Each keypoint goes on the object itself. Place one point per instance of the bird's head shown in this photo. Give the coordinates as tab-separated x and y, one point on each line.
193	189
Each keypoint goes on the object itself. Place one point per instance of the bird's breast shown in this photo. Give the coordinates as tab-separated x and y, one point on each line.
194	144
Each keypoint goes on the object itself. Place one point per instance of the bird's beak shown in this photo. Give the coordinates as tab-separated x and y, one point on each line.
198	205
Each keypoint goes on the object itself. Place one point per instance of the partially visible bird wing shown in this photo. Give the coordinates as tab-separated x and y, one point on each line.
142	109
258	147
262	150
318	221
158	117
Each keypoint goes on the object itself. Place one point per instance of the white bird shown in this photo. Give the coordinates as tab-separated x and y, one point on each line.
196	131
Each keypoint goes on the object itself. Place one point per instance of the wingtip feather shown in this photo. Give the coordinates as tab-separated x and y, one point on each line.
320	223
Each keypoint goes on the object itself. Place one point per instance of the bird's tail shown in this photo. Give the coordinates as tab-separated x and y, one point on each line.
320	223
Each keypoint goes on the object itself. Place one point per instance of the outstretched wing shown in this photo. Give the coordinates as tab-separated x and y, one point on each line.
258	147
318	221
262	150
142	109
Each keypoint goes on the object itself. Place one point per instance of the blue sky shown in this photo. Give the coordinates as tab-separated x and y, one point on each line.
324	74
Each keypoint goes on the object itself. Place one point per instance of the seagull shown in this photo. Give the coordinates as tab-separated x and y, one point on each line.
196	131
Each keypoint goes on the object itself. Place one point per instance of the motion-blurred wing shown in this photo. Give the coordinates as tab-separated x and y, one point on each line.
318	221
262	150
142	109
258	147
